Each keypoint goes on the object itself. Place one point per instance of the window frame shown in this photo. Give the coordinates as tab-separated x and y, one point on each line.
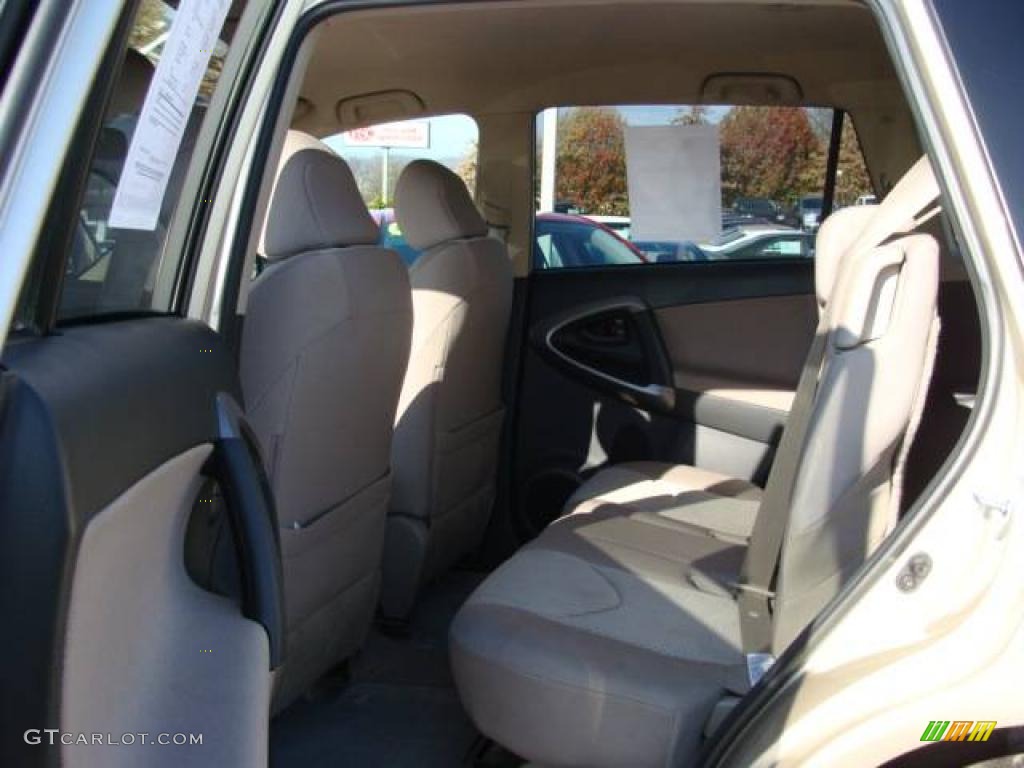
38	305
38	302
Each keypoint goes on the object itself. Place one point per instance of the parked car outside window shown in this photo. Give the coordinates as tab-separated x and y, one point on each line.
566	240
808	213
759	242
665	251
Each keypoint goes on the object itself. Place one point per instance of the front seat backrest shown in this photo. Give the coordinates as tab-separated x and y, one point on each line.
325	345
450	414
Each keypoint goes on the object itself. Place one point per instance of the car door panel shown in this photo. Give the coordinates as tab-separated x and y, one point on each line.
137	622
106	435
751	343
692	363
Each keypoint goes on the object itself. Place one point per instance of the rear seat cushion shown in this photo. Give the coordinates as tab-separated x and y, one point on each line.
585	649
707	501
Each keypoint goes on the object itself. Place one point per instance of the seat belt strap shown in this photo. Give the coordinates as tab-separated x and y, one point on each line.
914	193
757	575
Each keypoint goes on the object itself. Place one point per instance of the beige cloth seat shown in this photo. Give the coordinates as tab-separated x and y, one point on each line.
451	412
609	640
709	501
713	503
324	348
574	654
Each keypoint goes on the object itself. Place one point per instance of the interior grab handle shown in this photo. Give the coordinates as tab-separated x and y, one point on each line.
250	503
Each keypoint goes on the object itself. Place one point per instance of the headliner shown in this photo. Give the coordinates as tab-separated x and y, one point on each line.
500	57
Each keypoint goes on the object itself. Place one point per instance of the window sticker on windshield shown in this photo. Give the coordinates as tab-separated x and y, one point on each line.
165	113
789	247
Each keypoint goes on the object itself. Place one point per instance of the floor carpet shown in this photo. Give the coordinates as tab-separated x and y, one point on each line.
399	707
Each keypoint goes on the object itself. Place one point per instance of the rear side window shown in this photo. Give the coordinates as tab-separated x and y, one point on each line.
377	155
118	262
689	183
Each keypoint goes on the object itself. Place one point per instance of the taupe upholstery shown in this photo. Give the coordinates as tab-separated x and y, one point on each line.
882	327
698	497
609	639
835	237
573	656
728	505
325	344
450	415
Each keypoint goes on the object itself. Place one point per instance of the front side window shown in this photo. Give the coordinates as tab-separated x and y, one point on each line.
377	155
169	72
694	183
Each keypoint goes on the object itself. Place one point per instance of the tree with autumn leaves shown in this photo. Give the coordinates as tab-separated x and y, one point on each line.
768	152
591	161
775	152
771	152
852	179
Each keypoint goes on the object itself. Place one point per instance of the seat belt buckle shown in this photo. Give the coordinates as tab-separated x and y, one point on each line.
757	665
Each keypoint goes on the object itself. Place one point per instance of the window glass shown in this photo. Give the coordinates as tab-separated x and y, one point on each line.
378	154
138	166
691	183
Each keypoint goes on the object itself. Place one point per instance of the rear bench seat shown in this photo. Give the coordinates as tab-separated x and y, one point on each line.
609	640
727	505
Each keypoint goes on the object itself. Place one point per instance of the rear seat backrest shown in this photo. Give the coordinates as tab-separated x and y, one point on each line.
837	234
881	326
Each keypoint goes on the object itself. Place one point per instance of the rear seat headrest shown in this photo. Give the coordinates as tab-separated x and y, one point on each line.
432	206
315	203
837	234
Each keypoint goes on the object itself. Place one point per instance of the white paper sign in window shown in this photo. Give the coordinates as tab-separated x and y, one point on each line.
165	113
674	179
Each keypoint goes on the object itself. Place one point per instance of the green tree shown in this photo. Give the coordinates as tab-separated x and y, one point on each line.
591	161
769	152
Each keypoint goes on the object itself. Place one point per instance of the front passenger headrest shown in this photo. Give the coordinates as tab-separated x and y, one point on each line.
315	203
432	206
838	232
